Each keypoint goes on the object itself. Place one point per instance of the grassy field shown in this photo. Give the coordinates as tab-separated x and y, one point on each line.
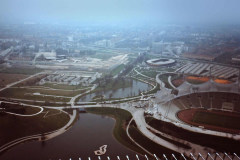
63	86
117	70
19	109
26	71
219	143
220	120
6	78
151	74
20	93
13	127
164	78
67	93
46	103
151	146
122	118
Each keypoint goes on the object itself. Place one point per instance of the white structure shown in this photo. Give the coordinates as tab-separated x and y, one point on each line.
160	62
71	78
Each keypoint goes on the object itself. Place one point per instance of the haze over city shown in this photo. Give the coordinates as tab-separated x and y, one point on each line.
119	79
121	11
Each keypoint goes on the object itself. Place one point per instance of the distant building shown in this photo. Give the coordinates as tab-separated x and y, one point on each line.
236	59
158	47
207	57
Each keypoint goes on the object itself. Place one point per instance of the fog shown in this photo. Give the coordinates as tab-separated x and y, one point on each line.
121	11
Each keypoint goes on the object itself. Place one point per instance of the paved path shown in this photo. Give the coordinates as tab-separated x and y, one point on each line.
143	74
24	115
138	117
73	99
170	82
129	136
14	83
52	89
45	136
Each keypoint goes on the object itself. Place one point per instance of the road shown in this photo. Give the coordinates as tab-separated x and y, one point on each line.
143	74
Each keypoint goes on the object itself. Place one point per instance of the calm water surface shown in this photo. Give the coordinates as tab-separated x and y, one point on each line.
134	90
87	135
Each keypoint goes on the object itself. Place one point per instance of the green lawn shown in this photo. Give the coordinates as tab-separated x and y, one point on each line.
67	93
164	78
13	127
46	103
117	70
219	120
63	86
19	109
27	71
20	93
151	74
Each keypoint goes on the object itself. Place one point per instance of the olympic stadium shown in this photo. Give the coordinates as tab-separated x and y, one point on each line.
210	107
160	62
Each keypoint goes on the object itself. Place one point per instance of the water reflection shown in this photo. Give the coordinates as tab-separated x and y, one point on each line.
136	88
87	135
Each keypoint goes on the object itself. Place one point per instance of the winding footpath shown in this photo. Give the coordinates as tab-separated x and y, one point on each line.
14	83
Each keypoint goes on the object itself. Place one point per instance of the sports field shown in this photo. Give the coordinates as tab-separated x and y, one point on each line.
212	119
217	119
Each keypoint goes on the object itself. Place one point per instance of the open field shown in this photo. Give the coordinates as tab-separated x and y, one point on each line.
22	93
117	70
164	79
19	109
31	81
44	103
212	119
6	78
13	127
65	93
151	73
220	119
26	71
62	86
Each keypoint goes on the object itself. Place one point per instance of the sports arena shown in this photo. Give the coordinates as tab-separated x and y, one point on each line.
203	104
160	62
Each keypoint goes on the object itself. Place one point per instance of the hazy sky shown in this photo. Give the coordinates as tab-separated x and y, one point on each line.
116	11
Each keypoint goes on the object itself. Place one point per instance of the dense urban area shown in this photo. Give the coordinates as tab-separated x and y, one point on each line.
148	92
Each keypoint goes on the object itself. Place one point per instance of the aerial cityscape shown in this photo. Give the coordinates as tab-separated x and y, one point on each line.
117	86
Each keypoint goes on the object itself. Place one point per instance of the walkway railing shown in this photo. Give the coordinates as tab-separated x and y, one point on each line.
199	156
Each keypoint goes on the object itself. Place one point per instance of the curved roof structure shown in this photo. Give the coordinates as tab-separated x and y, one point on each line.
160	61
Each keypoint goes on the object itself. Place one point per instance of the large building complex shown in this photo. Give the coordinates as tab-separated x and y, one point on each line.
160	62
